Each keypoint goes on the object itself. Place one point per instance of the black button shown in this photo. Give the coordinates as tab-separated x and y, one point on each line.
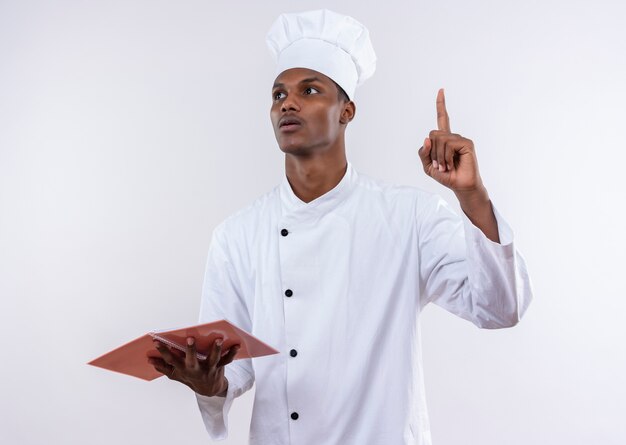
284	232
294	416
293	353
289	292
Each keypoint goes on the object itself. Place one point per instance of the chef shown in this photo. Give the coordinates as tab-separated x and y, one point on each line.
333	267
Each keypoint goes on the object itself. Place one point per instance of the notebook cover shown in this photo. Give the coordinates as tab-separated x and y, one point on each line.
132	357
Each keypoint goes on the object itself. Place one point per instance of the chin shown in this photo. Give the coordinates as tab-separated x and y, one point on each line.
297	150
301	146
293	147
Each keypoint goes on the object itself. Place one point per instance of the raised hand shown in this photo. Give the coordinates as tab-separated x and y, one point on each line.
450	158
205	377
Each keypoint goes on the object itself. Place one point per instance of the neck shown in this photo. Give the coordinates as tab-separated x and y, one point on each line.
312	176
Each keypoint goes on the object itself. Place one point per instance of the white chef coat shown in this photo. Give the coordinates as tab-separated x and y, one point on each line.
337	286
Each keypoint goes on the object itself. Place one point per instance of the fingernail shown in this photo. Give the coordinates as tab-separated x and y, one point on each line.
449	167
219	342
189	341
156	344
441	168
435	164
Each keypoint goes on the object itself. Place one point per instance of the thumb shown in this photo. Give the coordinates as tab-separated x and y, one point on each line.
424	154
229	356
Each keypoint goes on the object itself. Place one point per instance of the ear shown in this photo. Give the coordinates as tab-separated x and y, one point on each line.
348	112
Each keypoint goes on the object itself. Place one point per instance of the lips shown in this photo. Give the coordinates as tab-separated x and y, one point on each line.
289	122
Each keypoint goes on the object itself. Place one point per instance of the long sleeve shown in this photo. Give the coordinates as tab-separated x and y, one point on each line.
467	274
222	297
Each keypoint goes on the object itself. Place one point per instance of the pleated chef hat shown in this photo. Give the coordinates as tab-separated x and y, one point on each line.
333	44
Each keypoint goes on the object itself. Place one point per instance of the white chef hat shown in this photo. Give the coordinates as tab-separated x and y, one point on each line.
333	44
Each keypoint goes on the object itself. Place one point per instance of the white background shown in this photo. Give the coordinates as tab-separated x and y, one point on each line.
129	129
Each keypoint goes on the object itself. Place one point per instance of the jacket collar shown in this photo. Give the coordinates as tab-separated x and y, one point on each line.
293	206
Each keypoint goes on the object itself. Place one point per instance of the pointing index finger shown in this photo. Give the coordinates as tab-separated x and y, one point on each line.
443	121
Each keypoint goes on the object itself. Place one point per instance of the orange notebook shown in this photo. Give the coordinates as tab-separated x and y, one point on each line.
132	357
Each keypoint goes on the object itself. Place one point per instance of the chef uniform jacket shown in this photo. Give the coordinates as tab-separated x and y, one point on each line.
337	286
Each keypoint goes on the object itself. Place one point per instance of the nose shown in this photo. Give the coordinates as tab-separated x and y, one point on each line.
289	104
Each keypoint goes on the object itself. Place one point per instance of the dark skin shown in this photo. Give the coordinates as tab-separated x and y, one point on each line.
315	156
309	116
205	377
450	159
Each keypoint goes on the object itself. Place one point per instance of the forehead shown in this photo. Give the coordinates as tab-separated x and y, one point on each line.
298	75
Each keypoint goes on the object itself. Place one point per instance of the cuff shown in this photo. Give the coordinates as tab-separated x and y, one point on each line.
215	410
475	236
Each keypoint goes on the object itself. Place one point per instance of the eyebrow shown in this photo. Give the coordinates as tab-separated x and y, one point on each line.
307	80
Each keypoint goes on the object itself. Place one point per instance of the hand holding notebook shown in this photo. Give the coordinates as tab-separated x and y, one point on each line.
205	377
136	357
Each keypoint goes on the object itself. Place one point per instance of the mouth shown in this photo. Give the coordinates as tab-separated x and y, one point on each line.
289	124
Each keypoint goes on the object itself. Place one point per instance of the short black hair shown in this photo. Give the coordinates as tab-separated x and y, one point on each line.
341	94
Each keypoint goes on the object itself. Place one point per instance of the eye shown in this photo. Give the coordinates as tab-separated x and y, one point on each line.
310	90
277	95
